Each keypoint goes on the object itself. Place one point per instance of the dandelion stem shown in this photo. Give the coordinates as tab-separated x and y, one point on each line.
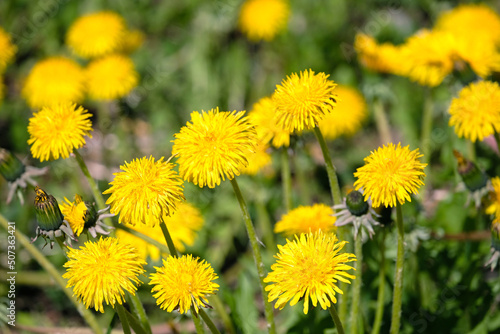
197	322
356	289
330	168
139	312
398	281
168	238
123	318
336	319
268	309
208	322
52	271
426	127
381	288
161	247
93	185
381	121
265	225
221	311
286	179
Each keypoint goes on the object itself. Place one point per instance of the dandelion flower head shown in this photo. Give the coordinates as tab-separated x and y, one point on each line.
8	49
183	227
213	146
54	80
263	116
183	282
145	190
301	101
306	219
390	174
309	267
263	19
381	58
58	130
111	77
102	271
258	161
97	34
347	117
74	213
475	114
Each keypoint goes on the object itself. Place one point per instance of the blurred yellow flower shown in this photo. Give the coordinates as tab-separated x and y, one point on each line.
102	271
390	174
97	34
144	191
8	49
348	115
309	267
301	101
259	160
111	77
476	112
429	56
263	19
183	227
306	219
471	21
263	116
183	282
494	207
54	80
56	131
213	146
382	58
133	41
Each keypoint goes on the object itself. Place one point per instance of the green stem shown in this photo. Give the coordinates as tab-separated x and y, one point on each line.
286	179
471	150
161	247
398	281
265	225
381	121
425	138
123	318
268	309
209	322
168	238
52	271
336	319
381	288
93	185
139	312
197	322
221	311
330	168
356	289
497	139
303	180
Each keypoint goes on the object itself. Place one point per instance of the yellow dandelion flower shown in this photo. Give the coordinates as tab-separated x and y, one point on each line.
480	53
183	227
259	160
263	19
102	271
133	41
306	219
494	207
145	190
54	80
111	77
470	21
347	117
74	213
97	34
58	130
263	116
302	101
183	282
476	112
309	267
390	174
429	57
382	58
8	49
213	146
